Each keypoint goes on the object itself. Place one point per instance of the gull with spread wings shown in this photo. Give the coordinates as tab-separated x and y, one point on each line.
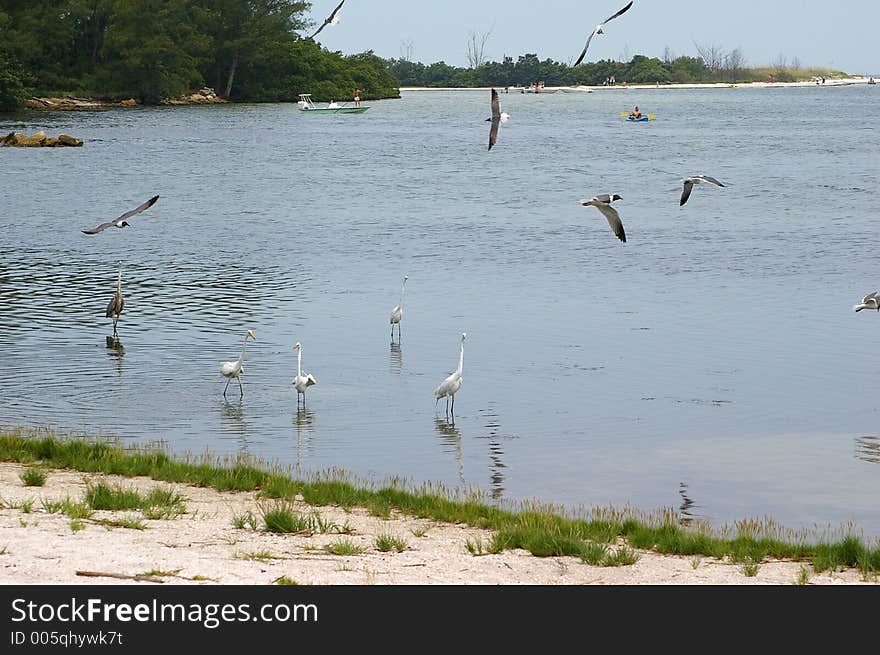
498	117
688	186
598	30
332	19
122	220
602	202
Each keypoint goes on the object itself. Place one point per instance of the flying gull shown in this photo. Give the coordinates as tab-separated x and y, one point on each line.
330	20
871	301
689	183
498	117
602	202
121	221
598	30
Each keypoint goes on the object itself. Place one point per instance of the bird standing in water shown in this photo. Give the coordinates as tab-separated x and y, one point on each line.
234	370
117	303
302	381
450	386
397	312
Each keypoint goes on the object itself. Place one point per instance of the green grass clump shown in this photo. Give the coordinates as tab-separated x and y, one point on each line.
130	523
544	533
344	547
285	581
159	573
246	520
67	507
419	531
76	525
33	477
621	557
257	556
388	542
26	506
281	517
159	503
750	569
803	576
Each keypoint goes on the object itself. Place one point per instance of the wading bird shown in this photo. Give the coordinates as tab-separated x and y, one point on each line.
397	312
234	370
689	183
332	19
602	202
450	386
121	221
598	30
114	308
871	301
302	381
498	117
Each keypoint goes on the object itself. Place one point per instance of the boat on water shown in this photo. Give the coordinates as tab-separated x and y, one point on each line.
305	104
640	119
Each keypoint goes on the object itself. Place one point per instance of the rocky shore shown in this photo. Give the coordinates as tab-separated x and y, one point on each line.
38	140
205	96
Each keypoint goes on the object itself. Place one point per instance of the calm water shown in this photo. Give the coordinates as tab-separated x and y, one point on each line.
713	361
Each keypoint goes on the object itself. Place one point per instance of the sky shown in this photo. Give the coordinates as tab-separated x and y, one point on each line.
840	35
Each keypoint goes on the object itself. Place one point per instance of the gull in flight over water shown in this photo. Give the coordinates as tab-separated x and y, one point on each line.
498	117
602	202
598	30
871	301
122	220
332	19
689	183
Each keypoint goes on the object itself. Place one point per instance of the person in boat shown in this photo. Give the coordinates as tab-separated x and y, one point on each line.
357	97
635	113
333	105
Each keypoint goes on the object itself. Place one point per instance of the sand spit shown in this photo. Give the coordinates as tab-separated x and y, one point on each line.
202	547
847	81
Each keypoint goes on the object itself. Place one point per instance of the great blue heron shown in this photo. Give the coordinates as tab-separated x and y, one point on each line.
117	303
234	370
332	19
302	381
602	202
450	386
397	312
599	30
121	221
688	186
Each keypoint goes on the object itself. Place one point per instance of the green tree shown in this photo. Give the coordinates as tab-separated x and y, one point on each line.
12	91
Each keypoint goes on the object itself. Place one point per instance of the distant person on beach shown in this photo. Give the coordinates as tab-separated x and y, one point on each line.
357	97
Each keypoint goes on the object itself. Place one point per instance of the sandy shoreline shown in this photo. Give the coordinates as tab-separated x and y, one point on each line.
709	85
203	547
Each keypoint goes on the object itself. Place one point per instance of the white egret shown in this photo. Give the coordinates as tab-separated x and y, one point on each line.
450	386
397	312
302	381
114	308
234	370
121	221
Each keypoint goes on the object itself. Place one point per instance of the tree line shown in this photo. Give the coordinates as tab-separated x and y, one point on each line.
246	50
713	64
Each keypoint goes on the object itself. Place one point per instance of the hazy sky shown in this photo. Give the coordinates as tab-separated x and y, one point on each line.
841	34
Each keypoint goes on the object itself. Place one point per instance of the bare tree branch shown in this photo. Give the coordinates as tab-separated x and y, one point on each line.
476	47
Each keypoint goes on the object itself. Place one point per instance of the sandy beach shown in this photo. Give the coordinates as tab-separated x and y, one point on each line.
201	546
849	81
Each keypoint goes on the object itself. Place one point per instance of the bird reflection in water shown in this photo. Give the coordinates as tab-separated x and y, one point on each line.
116	351
233	422
497	466
868	449
396	358
451	438
685	515
303	420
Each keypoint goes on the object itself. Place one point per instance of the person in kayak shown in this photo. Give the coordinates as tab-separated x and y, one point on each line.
635	113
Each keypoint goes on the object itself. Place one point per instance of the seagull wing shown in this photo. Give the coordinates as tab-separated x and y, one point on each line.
710	179
870	296
604	197
619	13
100	228
149	203
613	217
686	192
496	119
584	51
